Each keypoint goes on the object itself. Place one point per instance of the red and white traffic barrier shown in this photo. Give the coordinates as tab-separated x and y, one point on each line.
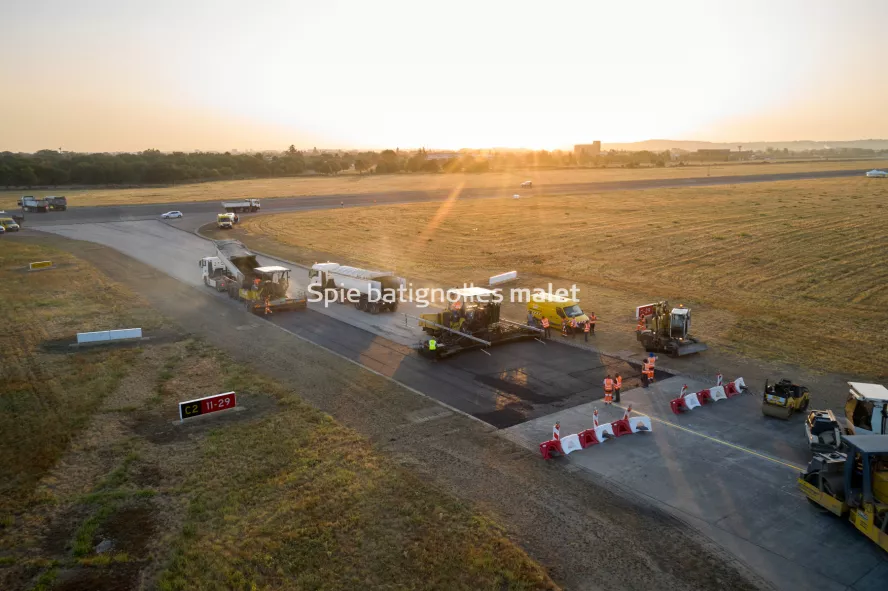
687	402
597	434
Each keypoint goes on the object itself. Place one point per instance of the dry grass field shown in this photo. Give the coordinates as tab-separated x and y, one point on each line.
277	496
353	184
792	271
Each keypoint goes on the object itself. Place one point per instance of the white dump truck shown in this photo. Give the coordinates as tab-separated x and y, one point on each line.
377	290
213	271
243	206
263	290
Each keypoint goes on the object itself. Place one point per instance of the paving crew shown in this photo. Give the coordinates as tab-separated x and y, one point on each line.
530	319
618	385
586	327
556	432
608	390
592	320
719	381
545	322
573	327
564	326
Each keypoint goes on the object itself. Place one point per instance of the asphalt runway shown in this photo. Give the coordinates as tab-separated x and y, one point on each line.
78	215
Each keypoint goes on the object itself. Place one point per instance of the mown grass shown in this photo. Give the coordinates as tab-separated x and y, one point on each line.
48	397
792	271
354	184
277	496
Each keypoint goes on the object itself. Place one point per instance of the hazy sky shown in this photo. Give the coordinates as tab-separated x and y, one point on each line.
108	75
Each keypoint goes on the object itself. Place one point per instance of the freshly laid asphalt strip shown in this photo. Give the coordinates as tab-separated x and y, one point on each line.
77	215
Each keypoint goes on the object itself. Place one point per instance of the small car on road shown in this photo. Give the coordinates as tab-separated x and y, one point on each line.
527	185
877	174
171	215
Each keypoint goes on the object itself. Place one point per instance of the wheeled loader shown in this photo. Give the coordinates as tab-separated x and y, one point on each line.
782	399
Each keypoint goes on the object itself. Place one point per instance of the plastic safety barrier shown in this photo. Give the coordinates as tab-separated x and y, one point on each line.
597	434
570	443
547	448
621	428
678	406
692	401
642	423
588	438
717	393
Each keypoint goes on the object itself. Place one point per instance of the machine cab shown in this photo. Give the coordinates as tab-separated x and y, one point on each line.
680	323
866	410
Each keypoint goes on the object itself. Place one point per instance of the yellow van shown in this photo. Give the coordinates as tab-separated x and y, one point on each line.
555	308
9	224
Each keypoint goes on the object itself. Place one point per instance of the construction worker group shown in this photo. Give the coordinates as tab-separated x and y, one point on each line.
612	387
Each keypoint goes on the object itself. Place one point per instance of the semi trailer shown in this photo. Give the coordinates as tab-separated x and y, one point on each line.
243	206
374	291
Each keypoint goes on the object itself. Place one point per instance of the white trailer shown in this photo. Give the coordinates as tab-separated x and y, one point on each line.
378	290
243	206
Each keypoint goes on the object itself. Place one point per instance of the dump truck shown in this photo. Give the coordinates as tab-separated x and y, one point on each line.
34	204
213	272
373	291
57	203
470	321
246	205
853	483
262	290
224	221
666	329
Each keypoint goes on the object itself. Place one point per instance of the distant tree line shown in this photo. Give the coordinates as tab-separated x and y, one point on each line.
152	167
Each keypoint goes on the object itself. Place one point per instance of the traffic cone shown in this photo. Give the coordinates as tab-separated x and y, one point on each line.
556	432
595	417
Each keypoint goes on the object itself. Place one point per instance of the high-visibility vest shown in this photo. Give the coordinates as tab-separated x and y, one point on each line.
432	345
593	318
545	322
619	382
608	385
586	327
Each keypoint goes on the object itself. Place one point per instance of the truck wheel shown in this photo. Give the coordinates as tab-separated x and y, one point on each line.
373	308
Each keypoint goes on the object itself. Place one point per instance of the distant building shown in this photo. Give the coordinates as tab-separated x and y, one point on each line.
587	150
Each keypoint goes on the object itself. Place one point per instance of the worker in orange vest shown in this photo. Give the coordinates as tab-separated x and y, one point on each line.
592	319
573	328
586	327
545	322
564	326
618	385
608	390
